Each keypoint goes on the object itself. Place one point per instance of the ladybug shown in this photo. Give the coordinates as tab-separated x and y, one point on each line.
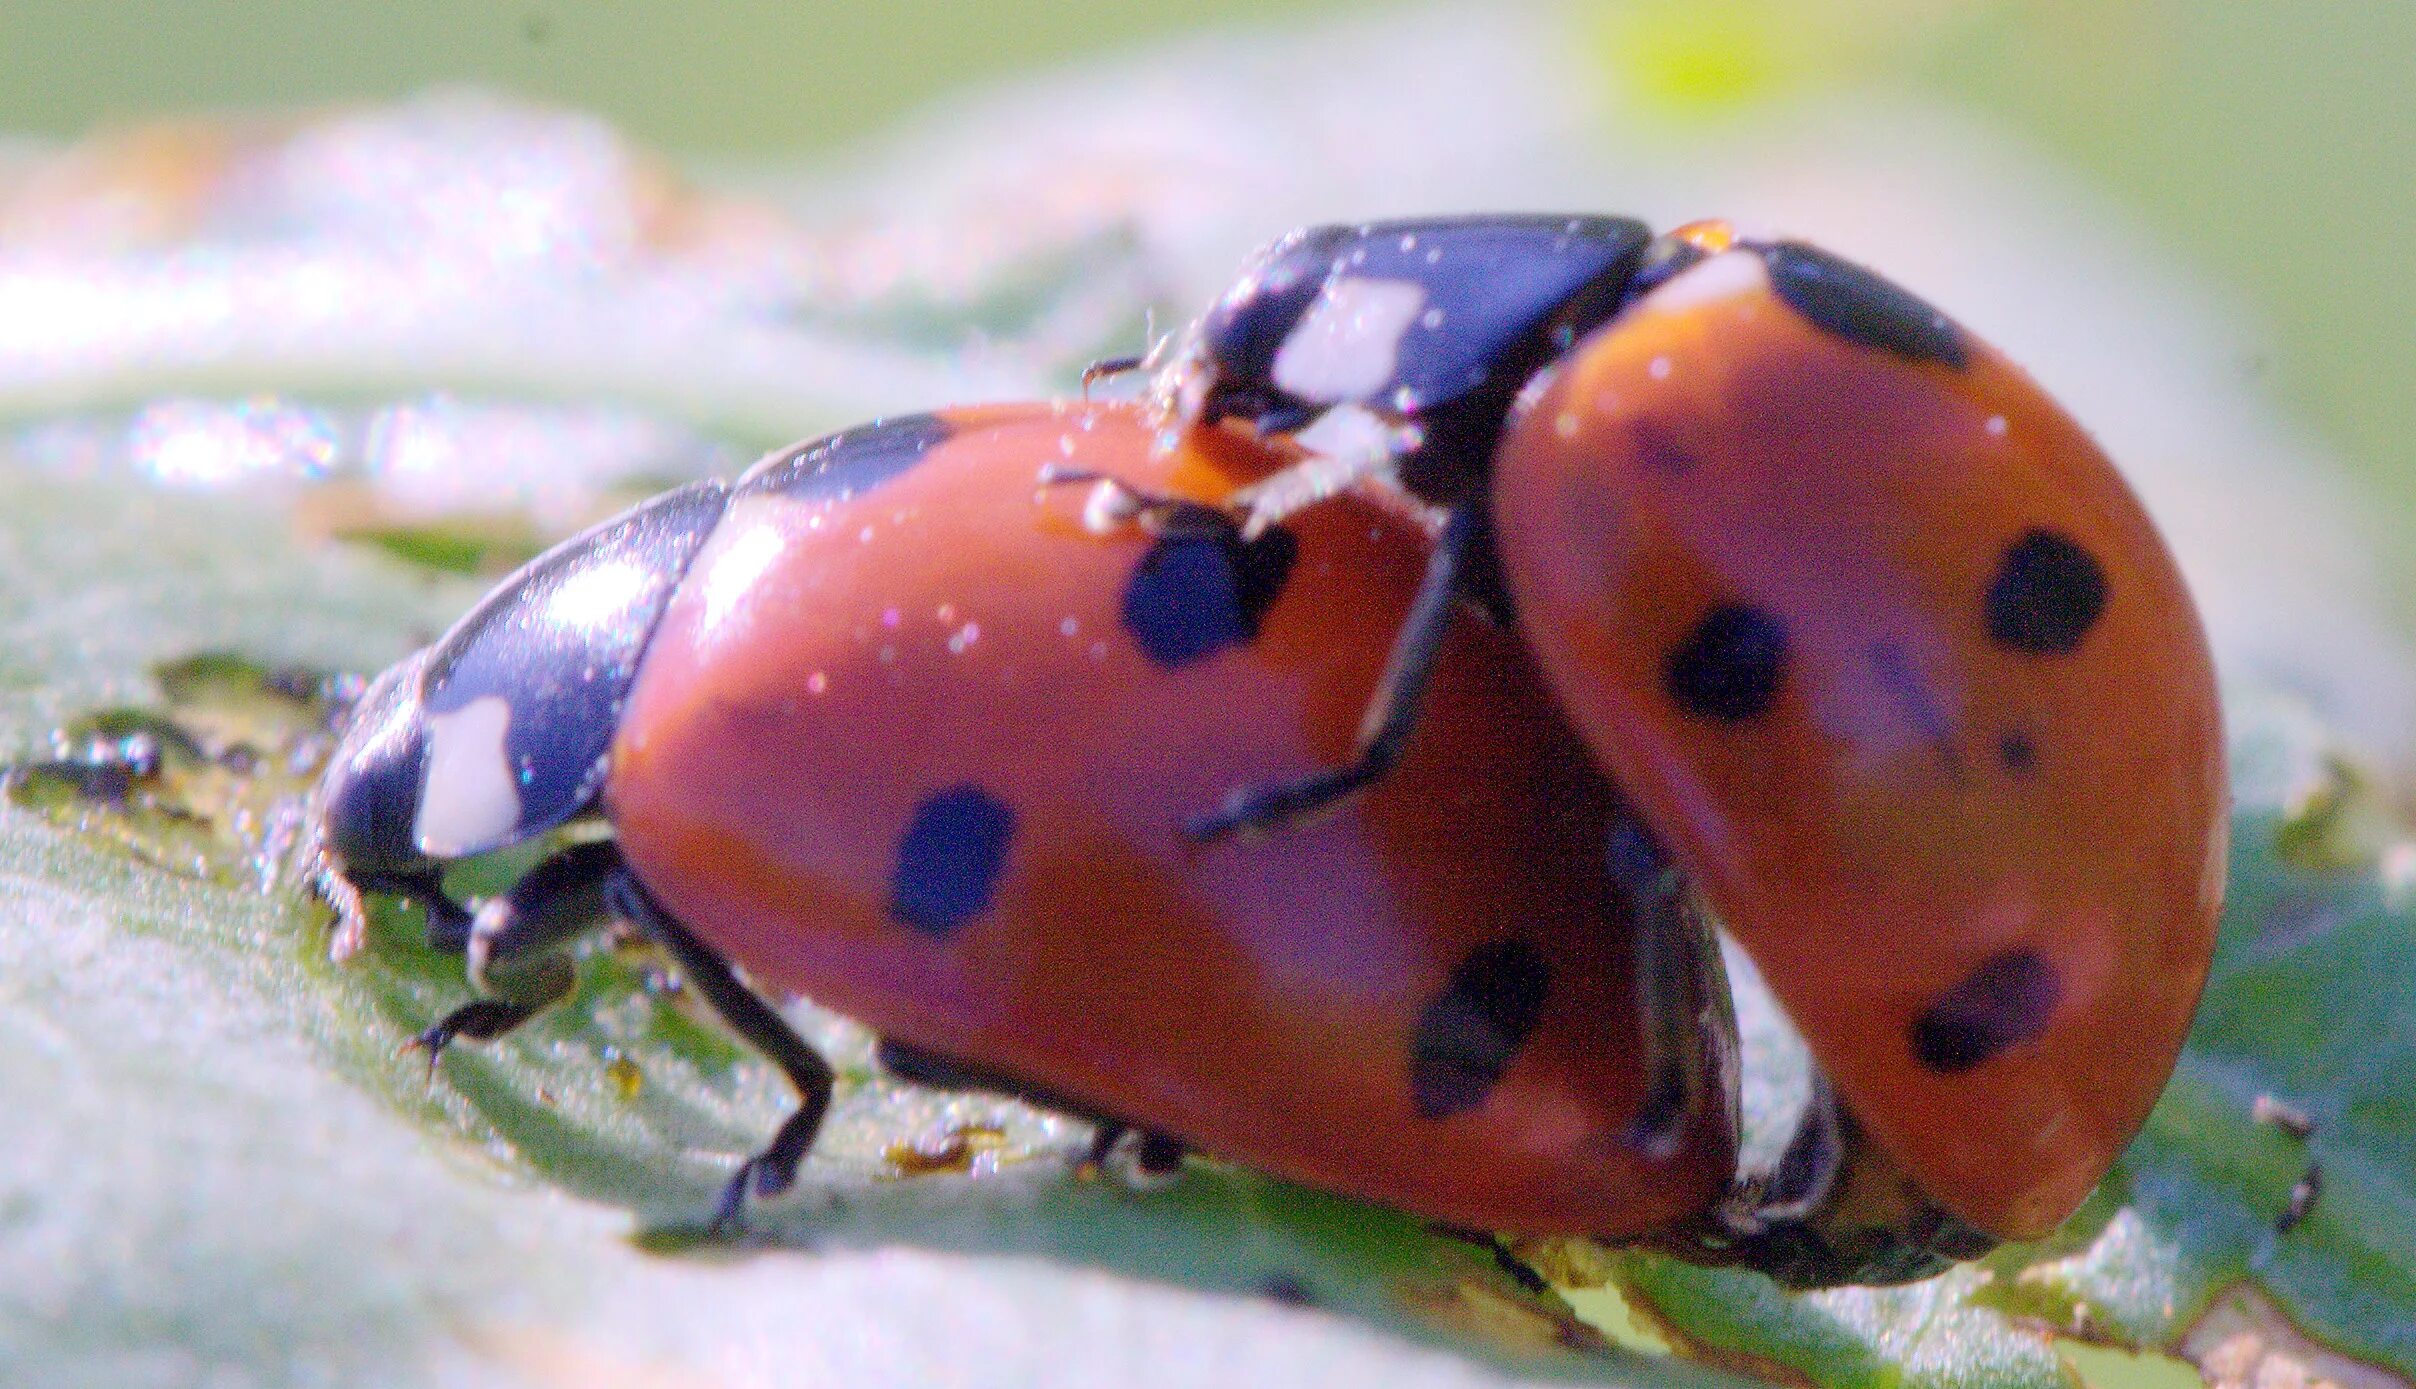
1872	634
888	724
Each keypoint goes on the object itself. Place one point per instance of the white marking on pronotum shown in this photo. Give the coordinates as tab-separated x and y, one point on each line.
468	799
1724	276
1347	346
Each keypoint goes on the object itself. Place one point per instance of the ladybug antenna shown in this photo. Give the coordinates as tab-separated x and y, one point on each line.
1146	360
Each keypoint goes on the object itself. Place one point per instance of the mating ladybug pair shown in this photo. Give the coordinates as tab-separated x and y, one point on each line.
1786	599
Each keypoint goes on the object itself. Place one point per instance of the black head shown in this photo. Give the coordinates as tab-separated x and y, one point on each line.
1430	326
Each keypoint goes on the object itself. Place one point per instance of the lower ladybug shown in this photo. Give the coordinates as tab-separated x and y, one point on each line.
1874	636
889	725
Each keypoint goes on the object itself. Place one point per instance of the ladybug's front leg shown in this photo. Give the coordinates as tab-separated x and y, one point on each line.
1333	467
1392	713
774	1169
514	944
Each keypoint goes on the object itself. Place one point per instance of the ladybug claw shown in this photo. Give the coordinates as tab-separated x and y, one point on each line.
432	1042
729	1209
483	1019
760	1178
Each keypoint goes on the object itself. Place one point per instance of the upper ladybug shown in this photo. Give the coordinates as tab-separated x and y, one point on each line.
1874	635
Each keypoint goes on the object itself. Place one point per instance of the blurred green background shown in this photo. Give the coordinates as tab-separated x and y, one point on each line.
2273	142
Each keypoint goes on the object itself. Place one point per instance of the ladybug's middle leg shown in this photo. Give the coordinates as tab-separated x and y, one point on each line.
1836	1210
773	1169
514	942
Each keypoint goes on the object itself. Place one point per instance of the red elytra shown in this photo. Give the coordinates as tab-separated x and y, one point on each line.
912	741
1886	651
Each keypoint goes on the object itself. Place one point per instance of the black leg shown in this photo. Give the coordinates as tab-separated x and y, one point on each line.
514	944
1104	1138
1155	1155
1116	503
1808	1170
1392	714
774	1169
515	939
1504	1257
1681	995
1158	1154
479	1020
1836	1210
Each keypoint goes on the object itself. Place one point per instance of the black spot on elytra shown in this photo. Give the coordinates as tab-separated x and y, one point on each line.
1473	1029
1843	299
1657	449
1730	666
2017	752
2047	594
1198	592
851	462
949	860
2006	1001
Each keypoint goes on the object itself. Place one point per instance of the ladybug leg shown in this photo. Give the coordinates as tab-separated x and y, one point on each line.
1392	714
1109	368
1158	1153
1115	504
514	945
1834	1211
1323	474
774	1169
1682	997
1154	1154
1516	1269
1104	1138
